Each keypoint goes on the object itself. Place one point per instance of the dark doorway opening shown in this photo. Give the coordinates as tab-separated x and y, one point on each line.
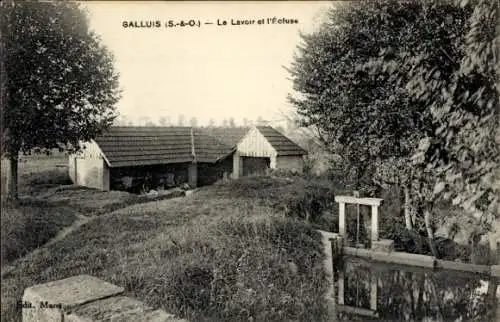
255	165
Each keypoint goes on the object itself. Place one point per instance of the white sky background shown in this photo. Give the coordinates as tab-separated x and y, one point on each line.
208	72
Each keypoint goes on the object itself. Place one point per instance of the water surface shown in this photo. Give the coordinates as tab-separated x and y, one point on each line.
406	293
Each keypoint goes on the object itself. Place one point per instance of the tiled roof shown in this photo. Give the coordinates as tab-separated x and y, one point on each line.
228	135
208	148
282	144
131	146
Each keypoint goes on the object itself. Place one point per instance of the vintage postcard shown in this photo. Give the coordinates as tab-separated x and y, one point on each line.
250	160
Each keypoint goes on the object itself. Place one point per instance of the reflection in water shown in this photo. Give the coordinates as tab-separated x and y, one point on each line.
404	293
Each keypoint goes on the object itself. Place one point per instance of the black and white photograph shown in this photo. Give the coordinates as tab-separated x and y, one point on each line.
253	161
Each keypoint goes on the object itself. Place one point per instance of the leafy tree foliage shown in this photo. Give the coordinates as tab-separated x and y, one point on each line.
363	118
405	92
463	151
456	77
60	86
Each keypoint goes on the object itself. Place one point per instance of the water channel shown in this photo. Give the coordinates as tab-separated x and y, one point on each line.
388	292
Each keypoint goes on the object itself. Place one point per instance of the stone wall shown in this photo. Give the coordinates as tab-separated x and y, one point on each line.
85	298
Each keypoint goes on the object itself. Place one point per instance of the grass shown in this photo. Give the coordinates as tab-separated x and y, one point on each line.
238	250
296	197
30	224
48	203
92	202
219	255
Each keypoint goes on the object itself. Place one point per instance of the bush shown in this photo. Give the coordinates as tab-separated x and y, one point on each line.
310	199
285	173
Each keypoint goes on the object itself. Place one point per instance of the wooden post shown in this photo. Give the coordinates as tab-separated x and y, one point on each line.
330	243
273	162
236	165
341	287
374	223
342	219
373	202
193	175
373	291
494	241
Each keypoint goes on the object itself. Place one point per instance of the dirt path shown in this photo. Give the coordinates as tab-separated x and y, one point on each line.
80	221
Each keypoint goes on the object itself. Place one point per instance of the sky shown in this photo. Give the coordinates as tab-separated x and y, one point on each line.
209	71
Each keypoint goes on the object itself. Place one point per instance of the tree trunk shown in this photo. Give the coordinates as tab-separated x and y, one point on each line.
408	208
13	176
492	301
494	239
430	232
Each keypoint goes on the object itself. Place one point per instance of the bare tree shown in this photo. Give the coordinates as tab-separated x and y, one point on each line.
181	120
261	121
144	120
164	121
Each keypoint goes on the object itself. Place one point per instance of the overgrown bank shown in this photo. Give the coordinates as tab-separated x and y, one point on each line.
218	255
233	251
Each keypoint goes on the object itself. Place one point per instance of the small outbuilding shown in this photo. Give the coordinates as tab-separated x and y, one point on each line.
139	158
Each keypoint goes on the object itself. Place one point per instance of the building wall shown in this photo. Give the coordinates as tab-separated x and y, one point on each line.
88	168
254	144
72	168
290	162
92	173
